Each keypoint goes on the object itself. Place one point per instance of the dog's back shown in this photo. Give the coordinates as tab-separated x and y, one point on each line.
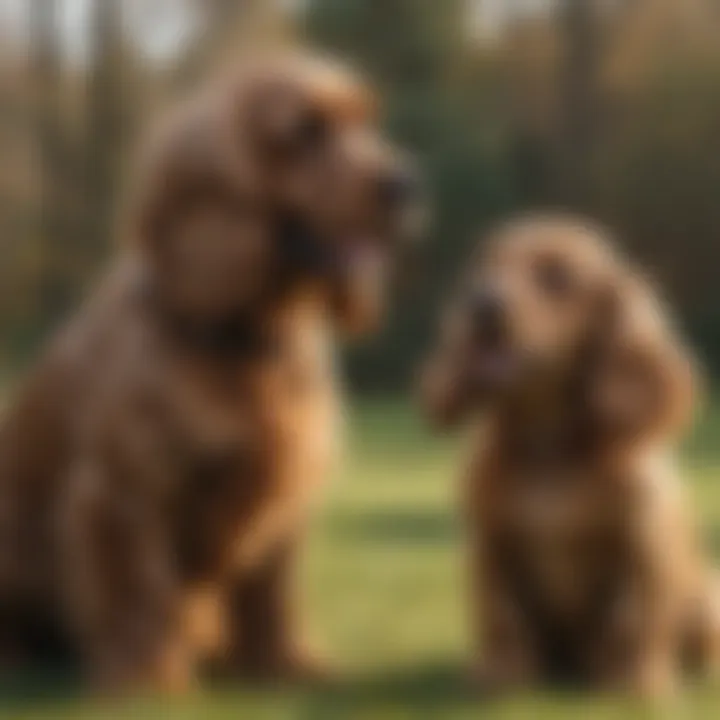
41	435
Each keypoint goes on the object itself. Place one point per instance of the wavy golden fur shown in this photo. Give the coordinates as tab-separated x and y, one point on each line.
585	561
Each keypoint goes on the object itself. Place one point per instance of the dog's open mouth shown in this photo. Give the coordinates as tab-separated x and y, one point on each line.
363	260
494	367
358	258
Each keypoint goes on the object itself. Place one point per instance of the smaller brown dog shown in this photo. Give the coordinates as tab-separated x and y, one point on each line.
581	545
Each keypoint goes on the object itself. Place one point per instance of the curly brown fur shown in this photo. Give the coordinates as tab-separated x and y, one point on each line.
585	563
160	463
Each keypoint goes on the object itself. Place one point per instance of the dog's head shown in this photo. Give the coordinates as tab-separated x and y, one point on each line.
273	180
549	312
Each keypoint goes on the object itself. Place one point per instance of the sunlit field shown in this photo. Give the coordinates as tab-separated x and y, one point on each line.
384	594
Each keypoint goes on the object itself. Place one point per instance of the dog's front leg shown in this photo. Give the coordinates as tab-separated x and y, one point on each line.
638	649
639	644
117	576
266	635
508	656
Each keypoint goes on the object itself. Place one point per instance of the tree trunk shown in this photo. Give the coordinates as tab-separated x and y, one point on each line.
579	98
105	129
46	77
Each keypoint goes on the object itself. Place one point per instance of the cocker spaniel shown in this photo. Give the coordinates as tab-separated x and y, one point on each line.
158	467
585	563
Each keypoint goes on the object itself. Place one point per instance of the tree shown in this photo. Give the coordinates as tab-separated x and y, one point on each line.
417	53
46	75
105	125
579	26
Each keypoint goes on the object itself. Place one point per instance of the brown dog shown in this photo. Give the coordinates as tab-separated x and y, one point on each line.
585	564
162	457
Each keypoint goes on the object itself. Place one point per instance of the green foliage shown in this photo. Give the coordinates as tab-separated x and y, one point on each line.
488	124
504	124
417	52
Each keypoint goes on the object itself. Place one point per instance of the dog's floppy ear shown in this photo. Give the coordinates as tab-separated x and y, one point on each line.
443	383
642	382
440	393
198	218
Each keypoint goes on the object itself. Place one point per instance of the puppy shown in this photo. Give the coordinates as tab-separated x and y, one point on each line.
585	564
162	457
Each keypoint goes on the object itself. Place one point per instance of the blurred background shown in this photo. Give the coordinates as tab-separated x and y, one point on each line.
610	108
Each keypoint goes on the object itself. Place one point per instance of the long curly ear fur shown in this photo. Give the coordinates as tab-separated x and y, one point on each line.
197	216
440	393
643	382
444	390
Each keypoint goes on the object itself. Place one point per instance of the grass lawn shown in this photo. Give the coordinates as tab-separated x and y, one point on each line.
385	595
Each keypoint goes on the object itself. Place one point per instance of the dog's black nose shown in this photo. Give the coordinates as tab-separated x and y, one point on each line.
487	310
399	188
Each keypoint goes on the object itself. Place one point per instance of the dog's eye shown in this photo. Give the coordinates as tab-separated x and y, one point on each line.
554	277
311	131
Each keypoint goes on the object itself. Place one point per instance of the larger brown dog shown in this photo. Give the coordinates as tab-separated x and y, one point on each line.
583	551
165	451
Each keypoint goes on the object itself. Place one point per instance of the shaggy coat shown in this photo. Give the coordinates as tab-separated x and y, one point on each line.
158	466
585	564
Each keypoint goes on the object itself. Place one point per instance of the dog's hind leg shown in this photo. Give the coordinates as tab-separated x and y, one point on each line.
33	636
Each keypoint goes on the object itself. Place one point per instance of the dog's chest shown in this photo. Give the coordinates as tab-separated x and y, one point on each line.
259	443
561	533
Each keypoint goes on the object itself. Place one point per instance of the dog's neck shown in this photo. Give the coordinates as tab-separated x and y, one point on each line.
276	334
251	334
544	427
227	339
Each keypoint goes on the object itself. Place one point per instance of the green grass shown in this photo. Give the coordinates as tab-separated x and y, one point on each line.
384	592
